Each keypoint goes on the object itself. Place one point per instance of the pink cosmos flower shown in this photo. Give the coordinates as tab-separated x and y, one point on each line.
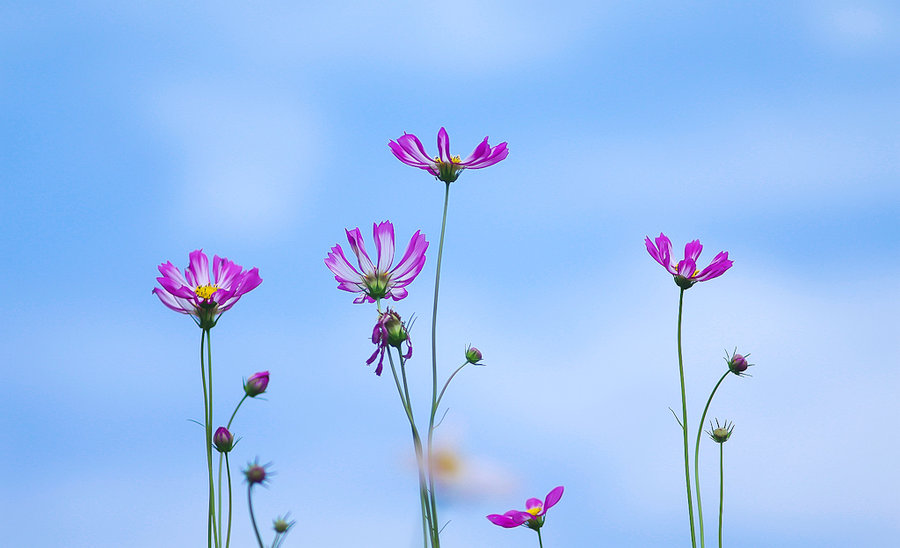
377	281
389	331
685	271
256	384
203	294
409	150
533	516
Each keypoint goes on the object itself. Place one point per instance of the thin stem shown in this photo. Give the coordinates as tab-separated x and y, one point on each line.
540	542
219	497
209	427
210	519
252	517
697	457
684	423
428	527
228	426
434	382
721	488
446	384
228	472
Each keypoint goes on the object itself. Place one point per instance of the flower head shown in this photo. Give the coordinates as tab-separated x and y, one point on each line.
282	525
256	473
223	440
256	384
533	516
720	433
737	363
202	293
389	331
375	281
685	271
445	167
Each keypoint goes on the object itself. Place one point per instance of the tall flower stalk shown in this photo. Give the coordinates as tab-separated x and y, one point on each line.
205	293
686	274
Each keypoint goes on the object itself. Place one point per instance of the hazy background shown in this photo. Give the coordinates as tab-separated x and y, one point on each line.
131	134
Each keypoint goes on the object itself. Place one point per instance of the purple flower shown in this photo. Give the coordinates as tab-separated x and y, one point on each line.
738	363
256	473
389	331
409	150
685	271
256	384
223	440
533	516
203	294
377	281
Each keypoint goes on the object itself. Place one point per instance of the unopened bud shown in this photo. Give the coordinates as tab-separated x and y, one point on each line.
223	440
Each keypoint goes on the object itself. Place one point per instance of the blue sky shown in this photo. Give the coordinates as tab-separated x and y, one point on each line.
131	135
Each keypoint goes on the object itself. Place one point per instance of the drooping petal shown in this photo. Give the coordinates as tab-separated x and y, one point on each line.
552	498
176	304
396	294
513	518
384	243
443	142
356	243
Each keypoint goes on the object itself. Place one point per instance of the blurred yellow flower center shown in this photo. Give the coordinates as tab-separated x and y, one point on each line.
534	511
206	291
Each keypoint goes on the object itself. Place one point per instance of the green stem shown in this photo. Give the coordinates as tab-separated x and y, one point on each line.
252	517
446	384
228	426
684	423
434	382
721	488
228	471
212	494
219	496
697	457
428	528
540	542
207	427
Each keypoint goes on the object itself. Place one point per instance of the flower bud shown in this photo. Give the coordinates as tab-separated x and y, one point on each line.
255	473
223	440
737	363
256	384
473	355
720	433
281	524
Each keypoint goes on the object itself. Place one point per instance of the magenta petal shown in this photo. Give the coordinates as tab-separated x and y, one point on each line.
443	142
513	518
356	244
686	268
692	251
719	265
533	503
552	498
409	150
172	302
199	268
384	243
664	244
497	154
412	261
481	152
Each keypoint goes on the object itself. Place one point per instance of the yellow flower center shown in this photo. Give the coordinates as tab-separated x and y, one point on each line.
453	160
206	291
534	511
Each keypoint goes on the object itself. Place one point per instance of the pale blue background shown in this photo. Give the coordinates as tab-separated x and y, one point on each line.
131	134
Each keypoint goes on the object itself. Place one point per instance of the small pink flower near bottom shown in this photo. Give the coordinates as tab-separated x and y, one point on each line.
533	516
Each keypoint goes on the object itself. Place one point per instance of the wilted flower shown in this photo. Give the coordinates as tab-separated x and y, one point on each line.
377	281
201	293
256	473
533	516
720	433
223	440
685	271
409	150
256	384
389	331
737	363
473	355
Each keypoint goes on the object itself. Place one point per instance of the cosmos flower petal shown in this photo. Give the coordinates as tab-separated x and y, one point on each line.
338	263
356	244
552	498
692	250
443	142
409	150
198	271
719	265
533	503
384	243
